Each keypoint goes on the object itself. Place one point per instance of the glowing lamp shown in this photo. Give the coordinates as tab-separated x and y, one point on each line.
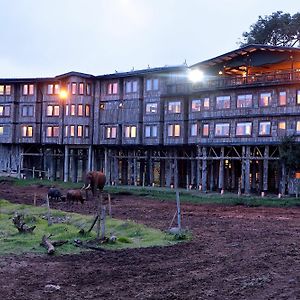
63	94
196	75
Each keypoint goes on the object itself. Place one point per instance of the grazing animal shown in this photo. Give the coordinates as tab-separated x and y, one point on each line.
74	196
54	194
94	180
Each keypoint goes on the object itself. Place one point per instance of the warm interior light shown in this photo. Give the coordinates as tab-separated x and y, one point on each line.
63	94
196	75
220	72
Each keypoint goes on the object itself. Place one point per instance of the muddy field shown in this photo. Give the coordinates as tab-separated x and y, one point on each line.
236	253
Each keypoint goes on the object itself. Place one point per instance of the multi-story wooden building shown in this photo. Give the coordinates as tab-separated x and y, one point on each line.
156	126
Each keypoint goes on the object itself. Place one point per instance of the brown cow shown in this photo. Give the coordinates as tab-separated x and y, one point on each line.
74	196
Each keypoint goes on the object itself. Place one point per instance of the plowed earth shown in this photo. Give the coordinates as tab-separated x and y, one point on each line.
236	253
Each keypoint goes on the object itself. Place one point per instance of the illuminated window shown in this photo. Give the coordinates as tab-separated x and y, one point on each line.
4	110
151	108
5	90
205	130
81	88
52	131
298	97
150	131
206	103
26	131
282	98
2	88
1	110
50	89
56	89
282	125
298	127
194	129
174	107
130	131
72	130
88	89
66	130
79	130
173	130
74	88
86	131
223	102
196	105
222	129
73	110
152	84
111	132
87	110
27	111
28	89
264	128
244	101
265	99
112	88
243	129
52	110
67	110
56	110
80	110
1	130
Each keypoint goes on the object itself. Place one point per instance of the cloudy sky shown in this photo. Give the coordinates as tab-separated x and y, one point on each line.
47	38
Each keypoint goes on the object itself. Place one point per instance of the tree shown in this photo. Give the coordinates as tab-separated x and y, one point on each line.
277	29
289	152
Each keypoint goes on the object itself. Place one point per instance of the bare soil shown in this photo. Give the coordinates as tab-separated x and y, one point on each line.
236	253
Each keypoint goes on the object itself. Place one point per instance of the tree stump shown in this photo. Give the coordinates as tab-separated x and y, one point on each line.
18	221
50	245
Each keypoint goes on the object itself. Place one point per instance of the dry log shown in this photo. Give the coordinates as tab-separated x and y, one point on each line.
50	245
18	221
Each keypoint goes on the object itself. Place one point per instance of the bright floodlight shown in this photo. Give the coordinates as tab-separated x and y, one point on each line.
63	94
196	75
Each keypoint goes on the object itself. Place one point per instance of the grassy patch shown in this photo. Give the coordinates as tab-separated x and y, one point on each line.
67	226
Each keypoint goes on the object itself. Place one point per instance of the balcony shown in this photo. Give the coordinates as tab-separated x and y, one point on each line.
272	78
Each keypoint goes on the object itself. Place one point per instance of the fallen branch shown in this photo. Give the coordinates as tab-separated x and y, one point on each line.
50	245
18	221
87	245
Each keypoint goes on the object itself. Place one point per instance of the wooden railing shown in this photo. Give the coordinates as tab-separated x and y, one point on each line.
226	81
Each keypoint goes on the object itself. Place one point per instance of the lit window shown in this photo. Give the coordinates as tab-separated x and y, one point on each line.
86	131
28	89
67	109
74	88
1	90
298	127
130	131
1	130
49	131
194	129
79	130
55	131
72	130
81	88
112	88
265	99
111	132
150	131
88	89
243	129
282	125
56	110
87	110
206	103
174	130
73	109
66	130
264	128
26	131
298	97
282	98
205	130
52	110
151	108
56	89
223	102
222	129
49	110
25	89
50	90
196	105
244	101
7	90
1	110
31	89
80	110
174	107
4	110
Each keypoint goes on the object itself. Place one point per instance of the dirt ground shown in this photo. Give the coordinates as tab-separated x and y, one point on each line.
236	253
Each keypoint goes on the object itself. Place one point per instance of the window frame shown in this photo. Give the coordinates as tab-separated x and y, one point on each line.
243	135
245	100
222	135
259	128
223	99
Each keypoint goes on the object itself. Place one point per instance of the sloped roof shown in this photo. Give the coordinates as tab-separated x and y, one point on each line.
74	73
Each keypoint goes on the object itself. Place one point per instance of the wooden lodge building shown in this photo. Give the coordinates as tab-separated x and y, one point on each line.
157	127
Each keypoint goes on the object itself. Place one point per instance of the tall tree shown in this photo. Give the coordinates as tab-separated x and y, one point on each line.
277	29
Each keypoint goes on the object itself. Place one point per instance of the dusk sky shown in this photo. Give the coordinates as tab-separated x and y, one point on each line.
47	38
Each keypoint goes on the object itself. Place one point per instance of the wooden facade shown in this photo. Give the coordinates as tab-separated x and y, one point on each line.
156	127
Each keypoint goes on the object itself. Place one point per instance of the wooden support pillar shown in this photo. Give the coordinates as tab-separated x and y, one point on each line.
106	165
247	171
283	179
52	161
253	177
221	170
212	176
135	170
116	168
90	165
125	171
162	173
199	168
74	164
204	170
66	164
168	168
266	169
193	173
233	175
243	165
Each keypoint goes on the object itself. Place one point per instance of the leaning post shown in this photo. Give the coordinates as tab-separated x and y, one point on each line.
178	210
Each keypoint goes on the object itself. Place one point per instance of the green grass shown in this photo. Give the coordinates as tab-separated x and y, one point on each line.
128	233
167	194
